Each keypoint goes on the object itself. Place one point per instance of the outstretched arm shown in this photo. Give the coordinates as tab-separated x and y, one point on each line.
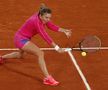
57	48
67	32
54	27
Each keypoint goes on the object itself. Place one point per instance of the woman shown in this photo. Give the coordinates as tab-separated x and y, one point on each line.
36	25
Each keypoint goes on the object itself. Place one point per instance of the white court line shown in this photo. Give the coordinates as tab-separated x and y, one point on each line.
15	49
101	48
79	70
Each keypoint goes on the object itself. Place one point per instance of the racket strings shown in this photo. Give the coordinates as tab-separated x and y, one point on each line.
93	43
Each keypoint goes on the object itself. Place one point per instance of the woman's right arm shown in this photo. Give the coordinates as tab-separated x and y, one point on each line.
57	48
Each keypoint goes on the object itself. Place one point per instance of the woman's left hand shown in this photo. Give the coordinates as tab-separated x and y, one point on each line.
68	32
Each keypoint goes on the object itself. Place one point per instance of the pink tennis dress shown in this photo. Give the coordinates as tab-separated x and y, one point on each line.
31	27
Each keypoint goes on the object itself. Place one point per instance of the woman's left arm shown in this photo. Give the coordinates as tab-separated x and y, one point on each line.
54	27
67	32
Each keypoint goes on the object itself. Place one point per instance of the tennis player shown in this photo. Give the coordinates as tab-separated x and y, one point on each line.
33	26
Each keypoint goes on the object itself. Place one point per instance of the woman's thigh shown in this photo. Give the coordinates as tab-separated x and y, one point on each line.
31	48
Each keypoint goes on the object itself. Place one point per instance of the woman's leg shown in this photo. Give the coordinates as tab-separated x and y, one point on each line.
33	49
18	54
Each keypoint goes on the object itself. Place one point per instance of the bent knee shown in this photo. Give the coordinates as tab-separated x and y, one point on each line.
40	53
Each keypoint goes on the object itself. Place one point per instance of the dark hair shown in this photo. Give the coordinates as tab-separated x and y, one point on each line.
43	9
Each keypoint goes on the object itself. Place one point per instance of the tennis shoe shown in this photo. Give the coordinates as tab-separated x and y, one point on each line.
50	81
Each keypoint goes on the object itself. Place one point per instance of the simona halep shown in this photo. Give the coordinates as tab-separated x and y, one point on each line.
33	26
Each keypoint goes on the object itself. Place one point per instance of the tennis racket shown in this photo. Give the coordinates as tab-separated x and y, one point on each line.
87	44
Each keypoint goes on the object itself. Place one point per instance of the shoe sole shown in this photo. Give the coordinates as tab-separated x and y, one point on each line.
51	84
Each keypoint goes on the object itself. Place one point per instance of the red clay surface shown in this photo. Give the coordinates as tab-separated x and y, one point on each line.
87	17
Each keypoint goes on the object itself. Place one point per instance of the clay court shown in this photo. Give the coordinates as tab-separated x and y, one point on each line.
87	17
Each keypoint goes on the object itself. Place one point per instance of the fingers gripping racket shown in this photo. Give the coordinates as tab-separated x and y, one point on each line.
87	44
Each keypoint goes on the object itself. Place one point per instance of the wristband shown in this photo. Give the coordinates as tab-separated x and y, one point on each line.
56	47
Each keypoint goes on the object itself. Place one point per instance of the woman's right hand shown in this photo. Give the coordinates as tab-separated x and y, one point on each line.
57	48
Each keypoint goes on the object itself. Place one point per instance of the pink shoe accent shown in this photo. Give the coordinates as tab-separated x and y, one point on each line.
1	60
50	81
